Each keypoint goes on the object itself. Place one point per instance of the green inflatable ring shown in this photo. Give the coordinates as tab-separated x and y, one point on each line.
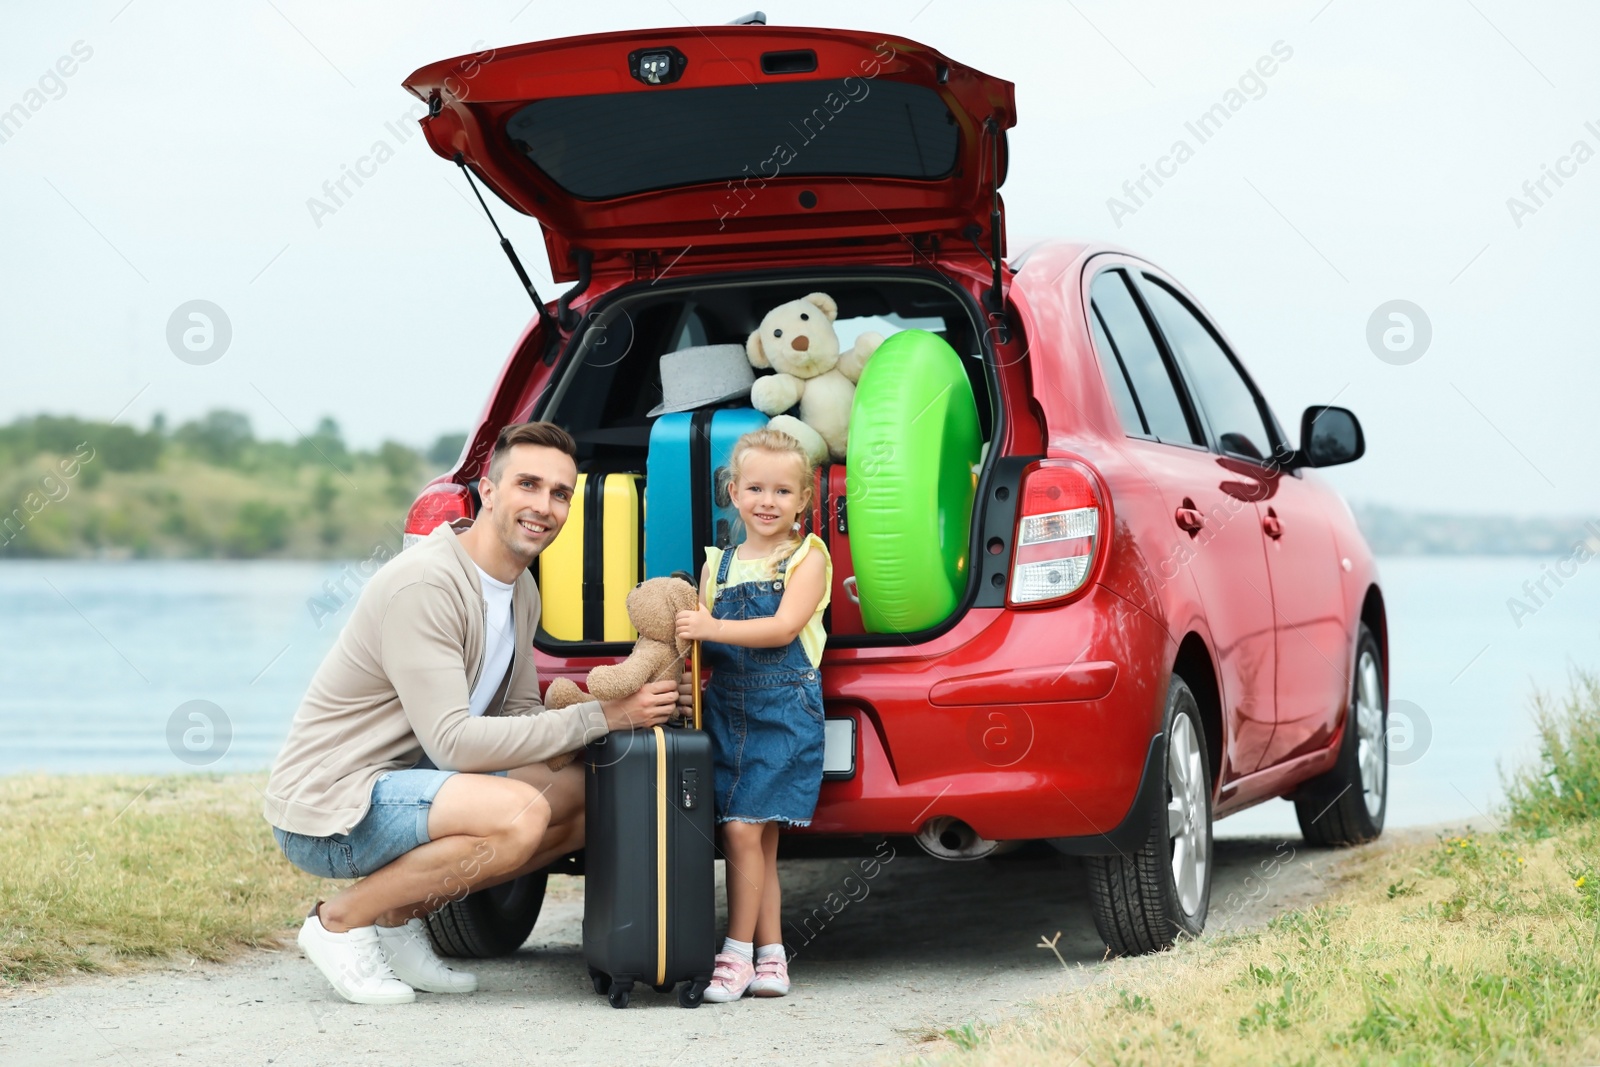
914	440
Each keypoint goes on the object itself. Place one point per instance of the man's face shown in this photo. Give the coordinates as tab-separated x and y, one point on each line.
529	505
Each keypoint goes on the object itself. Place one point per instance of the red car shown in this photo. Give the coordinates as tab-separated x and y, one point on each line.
1168	617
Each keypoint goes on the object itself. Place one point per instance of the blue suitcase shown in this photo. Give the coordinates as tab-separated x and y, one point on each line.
685	506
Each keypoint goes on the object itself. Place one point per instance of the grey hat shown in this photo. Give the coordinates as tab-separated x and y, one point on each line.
706	374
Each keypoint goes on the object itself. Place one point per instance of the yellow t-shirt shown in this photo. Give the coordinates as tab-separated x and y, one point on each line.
813	637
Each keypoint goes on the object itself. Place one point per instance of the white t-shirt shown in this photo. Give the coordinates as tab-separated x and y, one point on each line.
499	637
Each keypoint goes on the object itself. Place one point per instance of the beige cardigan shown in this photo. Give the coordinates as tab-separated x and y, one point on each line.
396	683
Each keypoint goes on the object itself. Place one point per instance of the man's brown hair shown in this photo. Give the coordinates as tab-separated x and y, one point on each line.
545	434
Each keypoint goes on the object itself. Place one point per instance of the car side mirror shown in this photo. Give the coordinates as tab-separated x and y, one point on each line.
1329	436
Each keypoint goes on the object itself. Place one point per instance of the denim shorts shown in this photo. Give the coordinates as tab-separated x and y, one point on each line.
396	823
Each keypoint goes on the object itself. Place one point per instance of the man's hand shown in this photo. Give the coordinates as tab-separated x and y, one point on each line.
686	684
652	705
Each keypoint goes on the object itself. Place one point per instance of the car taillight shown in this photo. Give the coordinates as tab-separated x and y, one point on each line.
437	505
1058	531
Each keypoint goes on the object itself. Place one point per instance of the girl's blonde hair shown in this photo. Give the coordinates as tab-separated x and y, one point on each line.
778	443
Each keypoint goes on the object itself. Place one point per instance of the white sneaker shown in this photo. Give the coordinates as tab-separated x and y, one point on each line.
410	953
354	964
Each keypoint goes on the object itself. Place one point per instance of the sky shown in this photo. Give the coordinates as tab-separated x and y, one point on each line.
1383	159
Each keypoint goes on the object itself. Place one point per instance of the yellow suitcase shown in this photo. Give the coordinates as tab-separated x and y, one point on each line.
588	571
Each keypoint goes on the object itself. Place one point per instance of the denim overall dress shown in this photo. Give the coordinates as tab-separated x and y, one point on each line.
763	710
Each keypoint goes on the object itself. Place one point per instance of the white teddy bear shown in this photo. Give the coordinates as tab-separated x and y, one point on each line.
797	340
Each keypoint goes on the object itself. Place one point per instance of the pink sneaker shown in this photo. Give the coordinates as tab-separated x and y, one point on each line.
772	978
731	978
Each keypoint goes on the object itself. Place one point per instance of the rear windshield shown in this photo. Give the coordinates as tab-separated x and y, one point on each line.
605	146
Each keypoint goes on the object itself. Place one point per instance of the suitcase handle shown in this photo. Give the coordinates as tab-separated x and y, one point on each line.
849	585
694	660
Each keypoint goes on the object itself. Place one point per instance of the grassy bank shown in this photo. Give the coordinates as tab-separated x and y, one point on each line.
98	872
72	488
1481	948
185	508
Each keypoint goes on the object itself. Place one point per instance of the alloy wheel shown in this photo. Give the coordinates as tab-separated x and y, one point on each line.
1371	756
1186	814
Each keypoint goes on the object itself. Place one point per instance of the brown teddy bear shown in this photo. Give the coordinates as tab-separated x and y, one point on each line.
653	608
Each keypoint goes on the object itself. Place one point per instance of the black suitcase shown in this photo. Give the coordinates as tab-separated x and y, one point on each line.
649	913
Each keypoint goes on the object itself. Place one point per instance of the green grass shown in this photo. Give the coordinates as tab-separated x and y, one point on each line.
967	1036
1481	948
100	872
1564	787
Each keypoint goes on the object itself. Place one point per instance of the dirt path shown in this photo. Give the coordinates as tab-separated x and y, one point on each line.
922	946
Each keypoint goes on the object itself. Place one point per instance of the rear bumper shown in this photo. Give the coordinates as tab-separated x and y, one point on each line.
1022	724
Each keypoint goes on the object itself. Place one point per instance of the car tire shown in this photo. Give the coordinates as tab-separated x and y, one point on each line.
1144	901
1347	805
491	922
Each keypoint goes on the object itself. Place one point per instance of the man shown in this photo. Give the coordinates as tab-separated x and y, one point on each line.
415	762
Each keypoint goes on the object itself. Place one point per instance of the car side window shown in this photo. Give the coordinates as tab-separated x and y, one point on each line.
1116	376
1151	380
1227	399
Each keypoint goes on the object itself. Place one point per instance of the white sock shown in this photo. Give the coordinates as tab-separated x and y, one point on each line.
765	952
746	949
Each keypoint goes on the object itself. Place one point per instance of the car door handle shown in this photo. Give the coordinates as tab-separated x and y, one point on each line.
1189	518
1270	524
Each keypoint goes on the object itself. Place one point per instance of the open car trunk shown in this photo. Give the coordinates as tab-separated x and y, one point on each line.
708	160
608	379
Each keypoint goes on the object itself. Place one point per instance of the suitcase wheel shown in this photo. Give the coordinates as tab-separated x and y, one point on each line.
601	981
620	991
692	994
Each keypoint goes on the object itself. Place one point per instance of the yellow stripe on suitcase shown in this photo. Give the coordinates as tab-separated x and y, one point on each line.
661	855
662	805
561	566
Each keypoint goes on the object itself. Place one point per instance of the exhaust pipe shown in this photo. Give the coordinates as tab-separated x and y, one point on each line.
948	838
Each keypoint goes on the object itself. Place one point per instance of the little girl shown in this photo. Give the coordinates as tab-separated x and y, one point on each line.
763	640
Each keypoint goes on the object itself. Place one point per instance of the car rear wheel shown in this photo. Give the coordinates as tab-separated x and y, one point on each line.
491	922
1346	806
1146	900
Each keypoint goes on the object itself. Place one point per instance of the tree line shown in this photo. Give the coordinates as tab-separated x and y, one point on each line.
207	487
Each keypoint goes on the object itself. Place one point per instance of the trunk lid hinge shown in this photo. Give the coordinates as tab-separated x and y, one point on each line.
646	264
924	249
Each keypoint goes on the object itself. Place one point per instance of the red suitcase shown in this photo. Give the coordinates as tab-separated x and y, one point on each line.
829	519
